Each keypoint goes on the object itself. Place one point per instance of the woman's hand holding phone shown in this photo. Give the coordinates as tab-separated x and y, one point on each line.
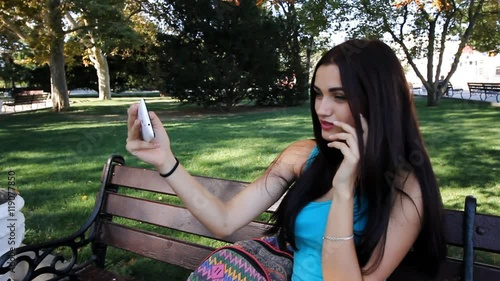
147	132
156	152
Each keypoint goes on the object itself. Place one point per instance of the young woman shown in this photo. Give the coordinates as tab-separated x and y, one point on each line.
360	196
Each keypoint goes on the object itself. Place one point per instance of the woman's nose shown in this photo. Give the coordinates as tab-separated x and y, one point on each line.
324	107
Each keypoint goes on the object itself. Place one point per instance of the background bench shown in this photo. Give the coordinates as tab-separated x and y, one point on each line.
117	197
28	98
484	90
450	91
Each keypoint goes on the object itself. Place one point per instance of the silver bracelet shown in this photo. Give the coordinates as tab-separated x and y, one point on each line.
330	238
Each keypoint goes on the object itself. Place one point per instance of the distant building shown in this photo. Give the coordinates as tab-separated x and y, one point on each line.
473	66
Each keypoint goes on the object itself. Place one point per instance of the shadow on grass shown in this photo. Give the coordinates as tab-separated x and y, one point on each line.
463	142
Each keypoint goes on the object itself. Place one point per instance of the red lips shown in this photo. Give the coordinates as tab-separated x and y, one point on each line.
325	125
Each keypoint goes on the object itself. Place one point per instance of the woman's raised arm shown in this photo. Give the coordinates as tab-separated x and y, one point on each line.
221	218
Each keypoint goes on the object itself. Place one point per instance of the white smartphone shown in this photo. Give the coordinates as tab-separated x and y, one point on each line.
147	131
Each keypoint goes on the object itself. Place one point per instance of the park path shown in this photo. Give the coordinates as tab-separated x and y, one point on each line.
466	96
417	92
23	108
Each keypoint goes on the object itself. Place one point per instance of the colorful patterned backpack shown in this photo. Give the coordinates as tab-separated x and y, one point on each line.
249	260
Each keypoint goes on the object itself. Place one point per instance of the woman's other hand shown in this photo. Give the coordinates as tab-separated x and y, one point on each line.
157	152
347	142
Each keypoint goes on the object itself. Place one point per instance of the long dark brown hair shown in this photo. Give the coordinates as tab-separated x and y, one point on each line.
375	85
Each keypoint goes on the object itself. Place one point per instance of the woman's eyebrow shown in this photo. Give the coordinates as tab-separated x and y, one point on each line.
330	90
335	89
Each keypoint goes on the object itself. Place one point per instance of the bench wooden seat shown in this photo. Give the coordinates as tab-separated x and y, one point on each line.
29	97
484	90
118	197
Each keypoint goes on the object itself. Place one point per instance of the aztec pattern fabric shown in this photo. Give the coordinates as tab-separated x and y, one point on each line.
248	260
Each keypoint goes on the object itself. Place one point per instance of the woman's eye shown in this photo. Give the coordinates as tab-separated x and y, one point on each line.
340	97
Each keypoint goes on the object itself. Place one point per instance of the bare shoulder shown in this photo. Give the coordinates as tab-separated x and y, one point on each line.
411	186
304	146
409	202
298	149
296	155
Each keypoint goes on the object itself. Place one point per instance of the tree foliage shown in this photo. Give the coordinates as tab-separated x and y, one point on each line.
217	53
102	29
96	28
486	34
420	28
37	25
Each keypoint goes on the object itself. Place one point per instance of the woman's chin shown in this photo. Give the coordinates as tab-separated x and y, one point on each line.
326	135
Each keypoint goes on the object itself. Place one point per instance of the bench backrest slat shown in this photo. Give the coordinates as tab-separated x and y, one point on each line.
485	231
484	86
153	245
40	97
149	180
32	92
171	216
22	99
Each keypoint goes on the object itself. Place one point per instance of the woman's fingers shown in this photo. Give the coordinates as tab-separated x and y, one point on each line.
134	140
134	130
346	127
155	121
132	115
349	139
345	149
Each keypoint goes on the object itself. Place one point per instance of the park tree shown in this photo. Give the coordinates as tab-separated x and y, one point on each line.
304	23
10	71
138	65
100	29
44	26
216	53
315	18
38	25
420	28
486	35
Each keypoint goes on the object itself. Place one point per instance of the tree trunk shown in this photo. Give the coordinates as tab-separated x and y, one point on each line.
60	97
309	51
101	66
97	58
432	96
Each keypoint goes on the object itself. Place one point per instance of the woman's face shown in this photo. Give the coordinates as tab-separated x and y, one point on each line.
330	103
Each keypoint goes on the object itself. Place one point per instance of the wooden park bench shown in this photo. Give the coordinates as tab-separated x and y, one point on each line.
484	90
450	91
118	198
28	98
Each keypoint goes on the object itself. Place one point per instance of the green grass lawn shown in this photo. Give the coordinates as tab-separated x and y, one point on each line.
58	157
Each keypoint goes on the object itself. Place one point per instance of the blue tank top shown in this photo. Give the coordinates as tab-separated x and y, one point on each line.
310	227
